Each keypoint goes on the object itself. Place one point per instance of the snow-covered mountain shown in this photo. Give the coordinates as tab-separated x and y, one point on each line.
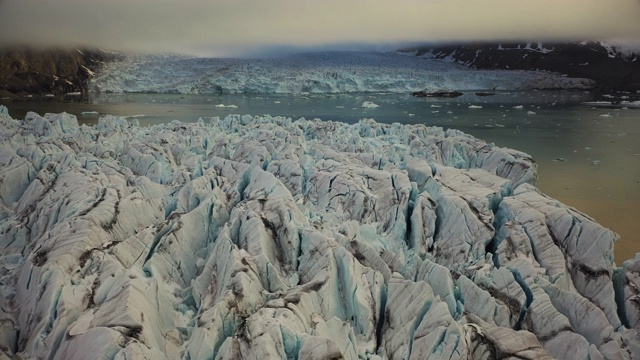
614	66
267	238
321	72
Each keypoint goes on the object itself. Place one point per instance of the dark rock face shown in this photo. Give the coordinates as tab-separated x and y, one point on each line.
437	94
610	69
56	71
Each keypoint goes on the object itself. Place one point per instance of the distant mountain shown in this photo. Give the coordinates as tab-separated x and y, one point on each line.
610	66
56	71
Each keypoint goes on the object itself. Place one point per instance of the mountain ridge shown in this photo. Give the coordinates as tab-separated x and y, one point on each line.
25	70
611	68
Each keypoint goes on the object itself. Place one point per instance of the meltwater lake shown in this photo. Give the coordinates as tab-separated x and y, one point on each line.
588	154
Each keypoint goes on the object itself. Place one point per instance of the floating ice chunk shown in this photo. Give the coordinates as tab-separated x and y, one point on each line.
89	113
370	105
475	107
519	107
598	103
531	113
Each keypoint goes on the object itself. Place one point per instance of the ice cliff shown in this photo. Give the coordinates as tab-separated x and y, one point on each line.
322	72
267	238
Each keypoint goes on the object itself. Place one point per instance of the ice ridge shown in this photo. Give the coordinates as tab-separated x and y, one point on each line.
264	237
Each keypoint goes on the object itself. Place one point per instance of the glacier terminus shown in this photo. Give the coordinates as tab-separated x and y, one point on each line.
259	237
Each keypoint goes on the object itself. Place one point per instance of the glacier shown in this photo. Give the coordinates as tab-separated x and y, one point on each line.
316	73
255	237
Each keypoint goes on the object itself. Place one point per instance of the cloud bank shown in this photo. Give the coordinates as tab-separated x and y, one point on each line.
232	27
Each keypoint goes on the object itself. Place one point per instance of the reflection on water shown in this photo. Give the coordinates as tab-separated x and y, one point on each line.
588	157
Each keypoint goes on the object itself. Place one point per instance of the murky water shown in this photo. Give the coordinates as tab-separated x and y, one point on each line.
588	158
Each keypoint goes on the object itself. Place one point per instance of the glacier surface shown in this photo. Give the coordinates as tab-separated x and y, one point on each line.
321	72
267	238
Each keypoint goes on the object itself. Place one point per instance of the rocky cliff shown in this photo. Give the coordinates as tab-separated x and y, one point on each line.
611	68
56	71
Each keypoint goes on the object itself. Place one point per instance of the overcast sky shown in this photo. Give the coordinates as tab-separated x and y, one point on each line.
233	27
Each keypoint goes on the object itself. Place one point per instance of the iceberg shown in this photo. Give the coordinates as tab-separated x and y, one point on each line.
268	237
370	105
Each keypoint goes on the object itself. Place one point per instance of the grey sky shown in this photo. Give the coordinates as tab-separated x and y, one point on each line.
231	27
